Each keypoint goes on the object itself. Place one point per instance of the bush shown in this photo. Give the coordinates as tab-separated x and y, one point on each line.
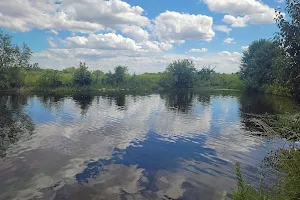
82	76
276	89
50	79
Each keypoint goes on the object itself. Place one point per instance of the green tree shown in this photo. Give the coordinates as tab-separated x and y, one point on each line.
257	67
118	77
179	74
12	58
97	73
70	70
50	79
289	39
204	76
82	76
119	74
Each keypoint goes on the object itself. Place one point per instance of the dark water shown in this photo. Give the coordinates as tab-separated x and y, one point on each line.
118	146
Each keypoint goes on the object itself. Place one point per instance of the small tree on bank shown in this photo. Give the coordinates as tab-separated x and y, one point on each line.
179	75
82	76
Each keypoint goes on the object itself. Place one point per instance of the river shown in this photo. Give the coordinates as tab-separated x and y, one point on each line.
85	146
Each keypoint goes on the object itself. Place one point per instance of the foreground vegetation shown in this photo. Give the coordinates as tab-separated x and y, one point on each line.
274	67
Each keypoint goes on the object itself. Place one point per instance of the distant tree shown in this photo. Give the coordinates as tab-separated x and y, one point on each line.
179	74
120	73
205	74
289	39
118	77
82	76
50	79
12	58
70	70
97	73
257	67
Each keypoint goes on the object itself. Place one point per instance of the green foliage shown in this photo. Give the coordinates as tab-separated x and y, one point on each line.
96	76
118	77
257	67
50	79
289	40
277	89
286	189
286	126
180	74
289	188
245	191
12	57
228	81
82	77
283	160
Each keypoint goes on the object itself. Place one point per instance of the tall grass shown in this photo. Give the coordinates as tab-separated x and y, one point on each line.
286	160
245	191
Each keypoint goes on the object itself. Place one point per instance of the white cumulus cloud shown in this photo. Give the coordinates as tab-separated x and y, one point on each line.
229	40
202	50
224	53
235	21
103	41
174	27
51	42
234	57
222	28
245	48
241	13
73	15
112	41
136	33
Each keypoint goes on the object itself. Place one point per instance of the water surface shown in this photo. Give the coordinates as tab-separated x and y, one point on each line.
121	146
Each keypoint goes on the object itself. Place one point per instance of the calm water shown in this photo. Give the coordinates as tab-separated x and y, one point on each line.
118	146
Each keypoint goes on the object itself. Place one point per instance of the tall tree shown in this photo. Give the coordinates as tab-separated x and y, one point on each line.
97	73
289	39
82	76
179	74
12	58
120	73
257	67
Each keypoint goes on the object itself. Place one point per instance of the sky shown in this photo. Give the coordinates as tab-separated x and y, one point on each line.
145	35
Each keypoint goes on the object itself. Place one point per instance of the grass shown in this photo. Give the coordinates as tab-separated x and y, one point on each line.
245	191
285	160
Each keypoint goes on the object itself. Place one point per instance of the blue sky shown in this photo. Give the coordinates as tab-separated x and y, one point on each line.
144	35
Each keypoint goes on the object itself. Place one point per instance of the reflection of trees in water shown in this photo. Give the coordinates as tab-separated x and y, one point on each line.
84	101
267	104
204	98
258	107
51	100
183	101
255	104
251	106
180	101
119	99
14	122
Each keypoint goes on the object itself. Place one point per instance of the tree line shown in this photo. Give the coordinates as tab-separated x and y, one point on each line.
16	73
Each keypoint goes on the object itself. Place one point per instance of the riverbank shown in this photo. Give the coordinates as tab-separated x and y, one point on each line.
285	160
